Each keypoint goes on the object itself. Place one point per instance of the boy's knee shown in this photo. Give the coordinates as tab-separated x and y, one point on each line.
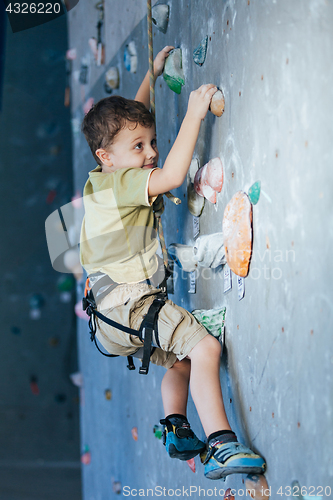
209	346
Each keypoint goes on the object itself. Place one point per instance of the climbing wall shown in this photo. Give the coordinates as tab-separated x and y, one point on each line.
272	60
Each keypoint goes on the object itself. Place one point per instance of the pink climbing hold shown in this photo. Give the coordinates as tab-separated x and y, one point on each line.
88	105
135	434
80	313
209	180
86	458
191	464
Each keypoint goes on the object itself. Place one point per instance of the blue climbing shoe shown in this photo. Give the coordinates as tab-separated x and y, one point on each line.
180	441
220	460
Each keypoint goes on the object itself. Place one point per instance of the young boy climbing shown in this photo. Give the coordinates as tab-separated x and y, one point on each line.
118	241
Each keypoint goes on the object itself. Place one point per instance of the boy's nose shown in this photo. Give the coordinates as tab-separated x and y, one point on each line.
151	153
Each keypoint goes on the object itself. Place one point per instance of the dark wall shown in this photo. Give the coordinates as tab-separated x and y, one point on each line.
39	406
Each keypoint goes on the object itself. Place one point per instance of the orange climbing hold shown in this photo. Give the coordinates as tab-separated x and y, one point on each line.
237	232
228	495
257	487
135	435
209	179
217	103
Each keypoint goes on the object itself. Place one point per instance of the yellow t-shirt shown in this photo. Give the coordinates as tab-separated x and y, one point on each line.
118	234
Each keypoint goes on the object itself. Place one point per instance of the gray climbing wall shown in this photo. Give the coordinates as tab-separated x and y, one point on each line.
272	59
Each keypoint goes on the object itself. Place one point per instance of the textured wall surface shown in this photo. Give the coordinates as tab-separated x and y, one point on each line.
272	59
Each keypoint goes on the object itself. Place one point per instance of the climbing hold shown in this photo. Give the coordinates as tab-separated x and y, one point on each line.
53	341
112	77
191	464
195	202
72	262
86	456
77	379
173	72
199	54
80	313
60	398
135	433
51	196
160	16
257	487
217	103
65	283
36	303
158	431
108	394
183	256
208	251
254	192
130	57
213	320
34	386
209	179
71	54
83	74
228	495
116	487
237	231
88	105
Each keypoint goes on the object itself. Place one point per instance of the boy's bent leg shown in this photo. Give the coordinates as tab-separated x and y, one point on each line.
205	385
179	440
224	455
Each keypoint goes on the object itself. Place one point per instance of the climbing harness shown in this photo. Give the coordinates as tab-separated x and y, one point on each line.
148	331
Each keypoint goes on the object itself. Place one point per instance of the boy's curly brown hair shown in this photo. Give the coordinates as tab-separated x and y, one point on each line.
108	116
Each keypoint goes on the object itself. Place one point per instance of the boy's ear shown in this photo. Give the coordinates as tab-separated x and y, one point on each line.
104	156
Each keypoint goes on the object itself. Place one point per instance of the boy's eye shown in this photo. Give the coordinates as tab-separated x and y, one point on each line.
139	145
153	142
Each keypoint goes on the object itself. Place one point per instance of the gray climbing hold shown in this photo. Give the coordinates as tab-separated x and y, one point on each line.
199	54
173	72
160	16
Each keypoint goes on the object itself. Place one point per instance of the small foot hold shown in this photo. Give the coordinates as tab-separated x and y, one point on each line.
228	494
213	320
217	103
257	487
254	192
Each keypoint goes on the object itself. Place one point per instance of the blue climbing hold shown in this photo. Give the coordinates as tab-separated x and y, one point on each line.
199	54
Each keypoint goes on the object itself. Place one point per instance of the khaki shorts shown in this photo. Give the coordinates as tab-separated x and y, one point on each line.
127	304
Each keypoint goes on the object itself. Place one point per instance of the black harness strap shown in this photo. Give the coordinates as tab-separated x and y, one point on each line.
148	329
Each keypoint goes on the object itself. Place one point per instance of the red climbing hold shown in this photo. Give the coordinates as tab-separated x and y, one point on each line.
191	464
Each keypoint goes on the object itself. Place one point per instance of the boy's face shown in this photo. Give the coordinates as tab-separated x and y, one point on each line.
132	148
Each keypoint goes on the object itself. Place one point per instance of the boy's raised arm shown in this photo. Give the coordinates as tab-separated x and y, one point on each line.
175	168
143	94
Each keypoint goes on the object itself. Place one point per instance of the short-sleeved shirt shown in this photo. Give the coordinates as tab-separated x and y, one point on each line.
118	234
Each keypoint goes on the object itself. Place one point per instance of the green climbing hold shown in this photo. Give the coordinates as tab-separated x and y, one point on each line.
173	72
199	54
254	192
213	320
